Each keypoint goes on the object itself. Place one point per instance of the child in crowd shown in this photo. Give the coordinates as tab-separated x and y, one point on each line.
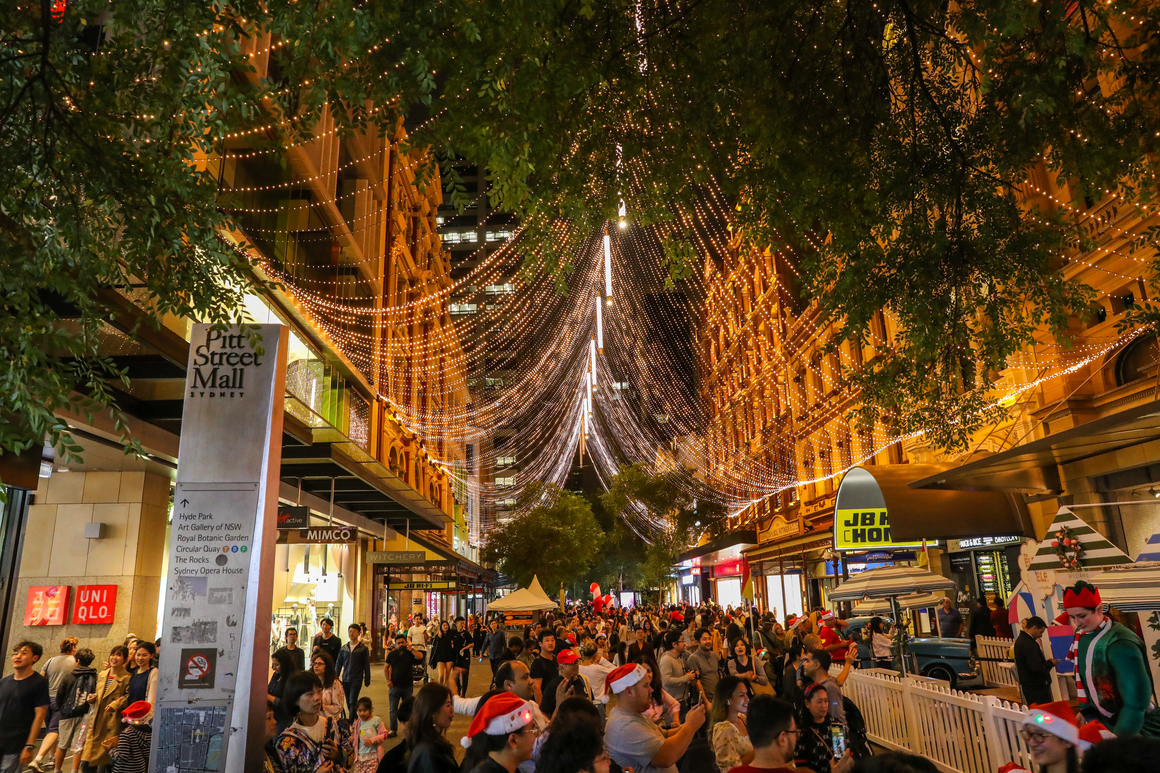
369	732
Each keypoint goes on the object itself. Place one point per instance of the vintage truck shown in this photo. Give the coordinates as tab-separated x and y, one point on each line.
947	659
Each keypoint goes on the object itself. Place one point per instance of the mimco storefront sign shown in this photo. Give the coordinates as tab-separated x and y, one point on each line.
211	687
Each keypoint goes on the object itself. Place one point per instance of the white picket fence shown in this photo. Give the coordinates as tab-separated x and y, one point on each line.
960	733
996	674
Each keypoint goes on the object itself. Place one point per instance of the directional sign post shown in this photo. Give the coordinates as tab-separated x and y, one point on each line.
211	685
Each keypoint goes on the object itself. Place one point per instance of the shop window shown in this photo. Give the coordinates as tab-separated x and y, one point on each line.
791	602
1137	361
729	592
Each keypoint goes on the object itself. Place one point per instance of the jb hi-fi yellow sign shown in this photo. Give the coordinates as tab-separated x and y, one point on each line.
864	528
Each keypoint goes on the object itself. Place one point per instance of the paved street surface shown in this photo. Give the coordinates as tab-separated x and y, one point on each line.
480	678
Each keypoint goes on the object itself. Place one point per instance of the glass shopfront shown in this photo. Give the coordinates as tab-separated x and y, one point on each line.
984	566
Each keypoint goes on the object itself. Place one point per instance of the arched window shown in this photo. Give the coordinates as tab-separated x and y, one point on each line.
1137	361
393	460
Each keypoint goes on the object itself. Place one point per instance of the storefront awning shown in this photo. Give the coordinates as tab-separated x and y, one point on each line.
791	547
724	548
1033	468
359	484
449	560
916	514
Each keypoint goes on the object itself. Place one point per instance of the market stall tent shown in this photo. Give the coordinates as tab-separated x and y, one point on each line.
529	599
537	589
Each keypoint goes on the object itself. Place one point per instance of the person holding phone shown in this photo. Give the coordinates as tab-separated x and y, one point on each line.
727	730
313	743
819	747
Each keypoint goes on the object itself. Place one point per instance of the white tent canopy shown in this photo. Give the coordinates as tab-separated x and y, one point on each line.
538	589
530	599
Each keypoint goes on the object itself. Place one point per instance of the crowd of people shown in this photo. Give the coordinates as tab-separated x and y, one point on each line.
589	690
95	715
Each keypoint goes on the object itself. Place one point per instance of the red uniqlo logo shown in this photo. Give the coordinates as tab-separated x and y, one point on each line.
95	604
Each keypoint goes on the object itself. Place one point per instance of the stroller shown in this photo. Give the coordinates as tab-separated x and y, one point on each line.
419	670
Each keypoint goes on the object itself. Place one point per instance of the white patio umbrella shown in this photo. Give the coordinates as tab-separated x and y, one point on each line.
891	582
882	606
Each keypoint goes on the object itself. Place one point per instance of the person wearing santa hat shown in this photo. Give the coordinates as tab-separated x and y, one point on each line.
130	748
634	741
1055	739
831	640
1113	683
501	736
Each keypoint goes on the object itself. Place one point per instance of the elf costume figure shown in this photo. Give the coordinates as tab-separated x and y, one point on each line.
1113	682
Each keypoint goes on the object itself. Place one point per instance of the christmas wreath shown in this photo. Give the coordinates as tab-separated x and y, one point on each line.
1067	548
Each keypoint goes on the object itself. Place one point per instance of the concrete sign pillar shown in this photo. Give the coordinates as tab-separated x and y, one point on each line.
211	687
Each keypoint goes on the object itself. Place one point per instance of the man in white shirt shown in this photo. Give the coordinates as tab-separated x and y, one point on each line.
674	676
417	634
633	740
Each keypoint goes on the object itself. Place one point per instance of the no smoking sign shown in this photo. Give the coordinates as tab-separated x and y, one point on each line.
198	667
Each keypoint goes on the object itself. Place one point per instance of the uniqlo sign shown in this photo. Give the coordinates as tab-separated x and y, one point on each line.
95	604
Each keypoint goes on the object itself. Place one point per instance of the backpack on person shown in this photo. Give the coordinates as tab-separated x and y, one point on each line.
76	704
855	729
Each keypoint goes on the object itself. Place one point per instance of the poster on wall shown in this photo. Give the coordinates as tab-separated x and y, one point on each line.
95	605
46	605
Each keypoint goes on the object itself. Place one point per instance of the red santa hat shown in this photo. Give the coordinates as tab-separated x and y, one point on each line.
791	621
626	676
1092	733
1082	594
136	712
1013	767
827	614
502	714
1056	718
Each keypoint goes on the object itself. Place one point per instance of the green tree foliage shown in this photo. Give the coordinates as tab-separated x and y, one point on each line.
618	565
677	516
555	536
675	500
885	142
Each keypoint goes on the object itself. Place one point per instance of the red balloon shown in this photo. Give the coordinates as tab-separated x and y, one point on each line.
595	588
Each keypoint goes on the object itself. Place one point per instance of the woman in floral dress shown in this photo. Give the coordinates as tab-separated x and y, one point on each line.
313	743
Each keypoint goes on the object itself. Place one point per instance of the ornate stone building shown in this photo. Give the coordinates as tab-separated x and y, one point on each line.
1077	433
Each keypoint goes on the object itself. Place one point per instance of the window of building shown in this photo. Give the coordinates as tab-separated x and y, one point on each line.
504	289
460	237
1137	361
505	480
505	461
464	308
499	236
505	503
